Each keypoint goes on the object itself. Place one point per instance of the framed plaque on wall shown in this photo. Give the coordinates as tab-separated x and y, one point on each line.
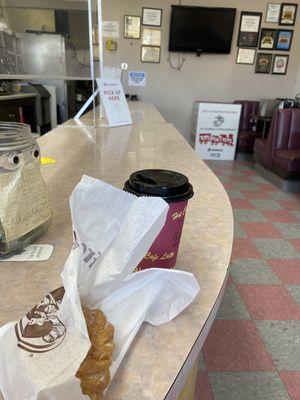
245	56
263	63
152	16
150	54
288	14
132	27
280	64
267	39
249	29
284	39
273	13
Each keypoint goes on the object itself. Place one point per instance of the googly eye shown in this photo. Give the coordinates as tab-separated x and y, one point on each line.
36	153
15	160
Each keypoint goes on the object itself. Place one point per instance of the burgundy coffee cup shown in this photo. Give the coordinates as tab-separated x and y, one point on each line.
176	190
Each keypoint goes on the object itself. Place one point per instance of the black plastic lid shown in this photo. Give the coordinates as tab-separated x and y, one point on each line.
171	186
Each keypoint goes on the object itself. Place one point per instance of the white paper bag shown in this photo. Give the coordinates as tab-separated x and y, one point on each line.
40	354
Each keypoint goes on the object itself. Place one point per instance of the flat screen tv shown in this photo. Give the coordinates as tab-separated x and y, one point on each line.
201	29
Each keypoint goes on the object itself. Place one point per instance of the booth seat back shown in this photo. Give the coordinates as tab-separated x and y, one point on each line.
284	133
249	108
288	130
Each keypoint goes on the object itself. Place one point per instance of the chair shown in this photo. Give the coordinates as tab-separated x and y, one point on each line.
246	135
280	152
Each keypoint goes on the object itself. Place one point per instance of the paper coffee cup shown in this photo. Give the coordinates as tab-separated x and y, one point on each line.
176	190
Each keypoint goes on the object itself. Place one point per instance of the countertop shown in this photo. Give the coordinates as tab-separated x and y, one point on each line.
17	96
141	112
159	359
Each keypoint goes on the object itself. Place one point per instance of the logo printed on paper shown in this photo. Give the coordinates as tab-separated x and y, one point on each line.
219	121
89	256
223	139
137	78
41	331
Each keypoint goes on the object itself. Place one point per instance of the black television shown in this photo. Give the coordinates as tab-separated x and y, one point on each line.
201	29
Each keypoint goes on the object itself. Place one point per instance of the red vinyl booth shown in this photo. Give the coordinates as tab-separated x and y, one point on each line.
280	152
246	136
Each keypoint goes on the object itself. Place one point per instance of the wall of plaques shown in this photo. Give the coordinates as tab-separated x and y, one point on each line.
145	27
262	46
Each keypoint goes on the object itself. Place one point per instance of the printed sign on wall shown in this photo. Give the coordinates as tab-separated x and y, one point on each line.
137	78
110	29
217	130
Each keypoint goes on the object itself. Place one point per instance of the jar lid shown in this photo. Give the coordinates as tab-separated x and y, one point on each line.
171	186
15	136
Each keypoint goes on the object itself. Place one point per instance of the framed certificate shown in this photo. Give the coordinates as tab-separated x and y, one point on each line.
249	29
132	27
263	63
267	39
150	54
280	64
245	56
152	16
151	37
273	13
284	39
288	14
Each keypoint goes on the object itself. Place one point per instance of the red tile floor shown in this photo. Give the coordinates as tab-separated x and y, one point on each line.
253	349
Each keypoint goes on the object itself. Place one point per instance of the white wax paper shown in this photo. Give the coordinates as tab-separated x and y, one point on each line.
113	230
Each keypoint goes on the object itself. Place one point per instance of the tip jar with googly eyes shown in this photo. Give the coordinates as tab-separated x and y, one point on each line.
25	212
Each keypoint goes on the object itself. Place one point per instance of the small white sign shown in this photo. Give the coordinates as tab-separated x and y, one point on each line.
33	252
137	78
217	130
110	29
114	101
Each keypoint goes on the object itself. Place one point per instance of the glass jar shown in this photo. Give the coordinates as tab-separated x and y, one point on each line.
24	205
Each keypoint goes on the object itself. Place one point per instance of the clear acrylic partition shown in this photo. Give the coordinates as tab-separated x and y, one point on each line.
105	49
110	12
51	42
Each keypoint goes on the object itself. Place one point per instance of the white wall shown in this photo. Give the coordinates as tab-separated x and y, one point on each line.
210	77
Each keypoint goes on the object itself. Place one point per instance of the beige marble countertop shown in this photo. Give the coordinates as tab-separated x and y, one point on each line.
157	355
141	112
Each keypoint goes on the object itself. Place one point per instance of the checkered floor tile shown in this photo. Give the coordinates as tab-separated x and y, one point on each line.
253	349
